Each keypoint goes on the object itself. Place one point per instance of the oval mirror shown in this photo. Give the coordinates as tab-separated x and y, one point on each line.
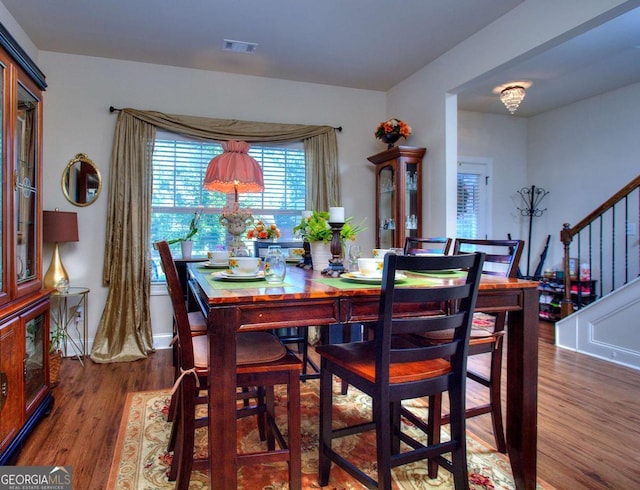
81	181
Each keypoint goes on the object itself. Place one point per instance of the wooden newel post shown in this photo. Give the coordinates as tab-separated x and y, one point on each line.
566	238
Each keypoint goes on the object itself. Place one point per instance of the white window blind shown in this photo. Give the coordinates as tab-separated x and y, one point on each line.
179	167
468	205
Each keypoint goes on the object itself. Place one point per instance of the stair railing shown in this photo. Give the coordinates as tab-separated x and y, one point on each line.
611	235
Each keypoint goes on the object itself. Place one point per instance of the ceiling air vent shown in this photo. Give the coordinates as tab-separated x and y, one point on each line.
239	46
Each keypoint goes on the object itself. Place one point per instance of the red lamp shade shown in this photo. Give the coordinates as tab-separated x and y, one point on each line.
59	226
234	170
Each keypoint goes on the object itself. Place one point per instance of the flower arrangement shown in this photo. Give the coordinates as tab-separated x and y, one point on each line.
193	229
317	228
392	126
263	232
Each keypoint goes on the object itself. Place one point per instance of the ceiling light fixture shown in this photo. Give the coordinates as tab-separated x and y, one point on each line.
512	96
239	46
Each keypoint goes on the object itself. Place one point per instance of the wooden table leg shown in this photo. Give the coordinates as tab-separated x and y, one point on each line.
223	469
522	390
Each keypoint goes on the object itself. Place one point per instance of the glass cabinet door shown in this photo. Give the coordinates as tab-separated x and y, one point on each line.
386	206
398	195
411	200
26	151
34	353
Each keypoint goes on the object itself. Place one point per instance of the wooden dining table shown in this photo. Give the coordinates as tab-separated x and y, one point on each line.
308	298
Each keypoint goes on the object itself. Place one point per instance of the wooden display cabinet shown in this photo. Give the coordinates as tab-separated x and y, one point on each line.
398	195
24	306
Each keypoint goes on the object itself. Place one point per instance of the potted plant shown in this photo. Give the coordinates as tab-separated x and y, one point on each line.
185	241
57	337
317	231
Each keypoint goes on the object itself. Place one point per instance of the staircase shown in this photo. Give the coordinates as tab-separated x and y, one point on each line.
606	243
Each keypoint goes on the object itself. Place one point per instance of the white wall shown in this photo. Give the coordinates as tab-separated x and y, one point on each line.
77	119
502	140
424	100
582	154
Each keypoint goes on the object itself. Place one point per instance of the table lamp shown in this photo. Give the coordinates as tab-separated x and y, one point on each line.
58	227
234	171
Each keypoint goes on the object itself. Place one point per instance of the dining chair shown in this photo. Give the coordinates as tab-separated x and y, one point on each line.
298	336
262	362
390	368
197	325
501	259
431	245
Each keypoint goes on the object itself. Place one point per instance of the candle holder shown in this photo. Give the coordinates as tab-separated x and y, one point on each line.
336	265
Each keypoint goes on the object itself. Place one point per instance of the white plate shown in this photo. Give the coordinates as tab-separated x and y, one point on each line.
229	276
213	265
293	260
359	277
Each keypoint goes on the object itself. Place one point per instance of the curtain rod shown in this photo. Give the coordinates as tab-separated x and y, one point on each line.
114	109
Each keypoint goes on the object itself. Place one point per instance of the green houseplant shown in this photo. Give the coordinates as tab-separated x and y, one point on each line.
57	337
317	231
185	241
316	228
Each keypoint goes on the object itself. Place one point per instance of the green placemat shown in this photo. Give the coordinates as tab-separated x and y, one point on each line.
349	284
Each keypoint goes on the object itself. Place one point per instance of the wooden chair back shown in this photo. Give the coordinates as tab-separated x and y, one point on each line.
431	245
501	256
460	299
183	329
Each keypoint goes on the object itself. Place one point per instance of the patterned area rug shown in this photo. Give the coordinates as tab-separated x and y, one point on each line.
141	460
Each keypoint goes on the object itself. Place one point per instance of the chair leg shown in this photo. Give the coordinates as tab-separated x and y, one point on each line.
293	427
326	400
183	454
457	426
175	408
382	416
270	412
434	422
495	396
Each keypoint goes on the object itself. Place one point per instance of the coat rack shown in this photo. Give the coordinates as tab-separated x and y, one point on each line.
531	197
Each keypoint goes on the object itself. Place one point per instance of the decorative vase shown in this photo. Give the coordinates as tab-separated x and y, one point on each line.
55	360
320	255
390	139
187	247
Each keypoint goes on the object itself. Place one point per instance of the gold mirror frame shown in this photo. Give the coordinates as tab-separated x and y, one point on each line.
81	181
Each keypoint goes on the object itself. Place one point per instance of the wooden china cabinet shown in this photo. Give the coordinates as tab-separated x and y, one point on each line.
24	306
398	195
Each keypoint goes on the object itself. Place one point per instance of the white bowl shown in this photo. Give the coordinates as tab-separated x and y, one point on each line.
244	265
219	257
371	267
380	252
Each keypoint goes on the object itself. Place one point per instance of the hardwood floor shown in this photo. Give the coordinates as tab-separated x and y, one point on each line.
588	418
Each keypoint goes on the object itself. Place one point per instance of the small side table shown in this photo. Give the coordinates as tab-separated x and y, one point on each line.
67	311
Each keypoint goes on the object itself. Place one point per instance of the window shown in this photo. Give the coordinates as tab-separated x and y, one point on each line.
179	167
472	200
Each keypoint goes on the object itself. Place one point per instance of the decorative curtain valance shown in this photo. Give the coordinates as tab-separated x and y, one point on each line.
230	129
124	332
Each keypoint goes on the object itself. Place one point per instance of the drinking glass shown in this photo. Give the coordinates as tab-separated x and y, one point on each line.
355	252
275	265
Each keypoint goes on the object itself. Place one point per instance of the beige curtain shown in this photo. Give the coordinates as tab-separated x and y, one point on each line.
124	332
